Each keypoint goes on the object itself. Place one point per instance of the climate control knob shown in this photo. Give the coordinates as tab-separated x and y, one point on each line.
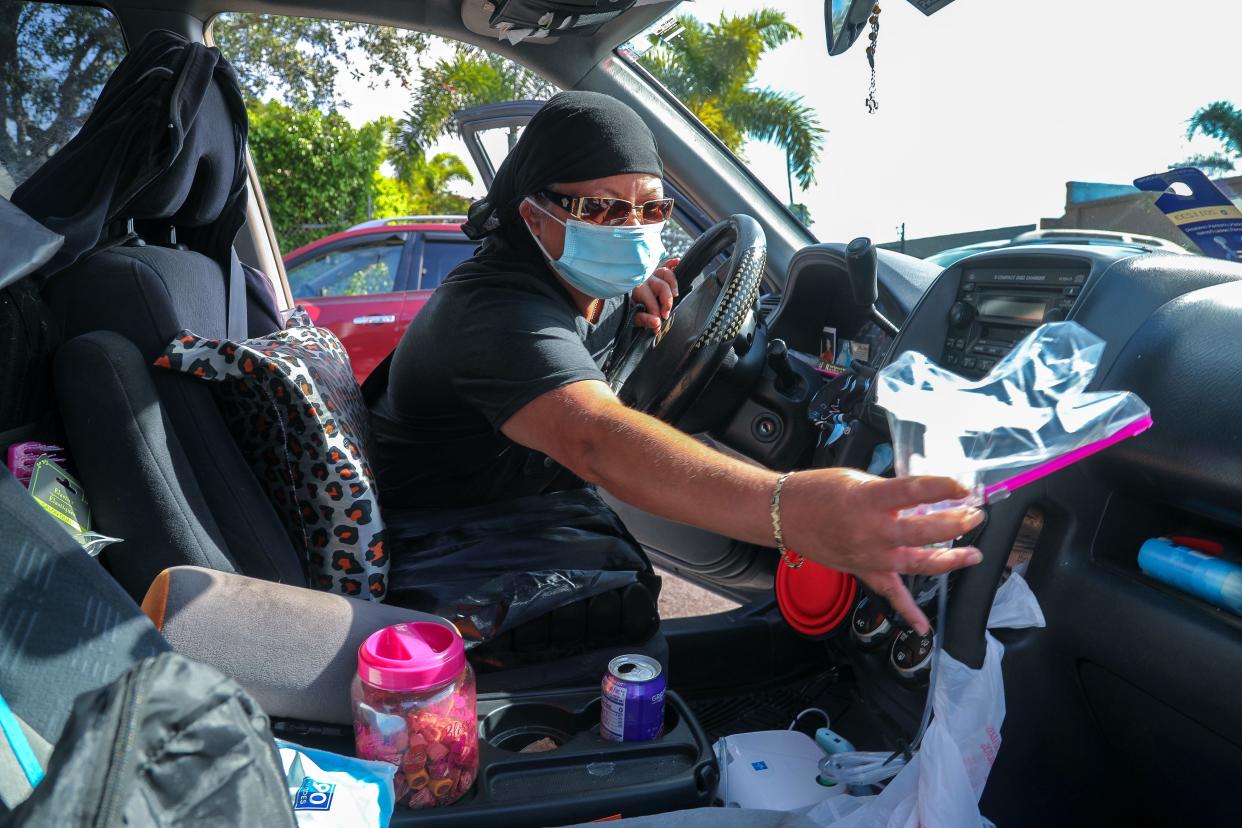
869	625
911	654
961	314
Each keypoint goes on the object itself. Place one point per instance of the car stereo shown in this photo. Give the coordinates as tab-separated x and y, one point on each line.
996	307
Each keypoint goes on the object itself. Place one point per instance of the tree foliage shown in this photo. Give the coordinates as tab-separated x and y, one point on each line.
469	77
317	170
298	59
424	188
54	60
710	68
1222	121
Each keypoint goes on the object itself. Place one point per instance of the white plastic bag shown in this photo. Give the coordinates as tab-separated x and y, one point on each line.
333	791
941	786
1015	607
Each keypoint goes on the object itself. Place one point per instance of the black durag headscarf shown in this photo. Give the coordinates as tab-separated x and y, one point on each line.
575	136
165	141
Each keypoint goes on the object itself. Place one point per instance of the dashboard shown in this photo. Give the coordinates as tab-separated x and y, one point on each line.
1120	647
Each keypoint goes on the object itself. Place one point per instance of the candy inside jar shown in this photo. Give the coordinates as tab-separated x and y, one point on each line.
414	707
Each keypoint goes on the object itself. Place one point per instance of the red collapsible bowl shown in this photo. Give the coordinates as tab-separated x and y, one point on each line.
814	599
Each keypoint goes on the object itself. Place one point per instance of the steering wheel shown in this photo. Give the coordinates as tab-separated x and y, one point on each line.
663	373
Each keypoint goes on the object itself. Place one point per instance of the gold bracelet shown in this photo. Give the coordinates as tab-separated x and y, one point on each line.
792	559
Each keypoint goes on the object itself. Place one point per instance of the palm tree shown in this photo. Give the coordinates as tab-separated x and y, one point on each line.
1223	121
710	66
470	77
422	186
430	179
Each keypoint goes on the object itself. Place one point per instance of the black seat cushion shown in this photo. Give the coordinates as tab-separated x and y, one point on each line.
146	295
298	416
140	481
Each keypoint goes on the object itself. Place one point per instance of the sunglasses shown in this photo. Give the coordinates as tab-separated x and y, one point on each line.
611	211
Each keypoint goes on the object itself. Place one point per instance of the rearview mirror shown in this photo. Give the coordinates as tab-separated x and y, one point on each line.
844	21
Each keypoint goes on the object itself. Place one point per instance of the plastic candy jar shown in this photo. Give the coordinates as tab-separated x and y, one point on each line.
414	707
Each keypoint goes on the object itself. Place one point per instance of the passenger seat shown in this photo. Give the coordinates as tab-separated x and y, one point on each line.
156	457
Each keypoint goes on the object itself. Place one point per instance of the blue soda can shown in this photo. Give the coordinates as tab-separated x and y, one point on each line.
632	704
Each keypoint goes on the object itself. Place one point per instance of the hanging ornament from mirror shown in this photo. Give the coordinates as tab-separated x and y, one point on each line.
873	36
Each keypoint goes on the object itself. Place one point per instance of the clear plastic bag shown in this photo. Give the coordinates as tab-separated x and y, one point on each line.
1033	409
94	542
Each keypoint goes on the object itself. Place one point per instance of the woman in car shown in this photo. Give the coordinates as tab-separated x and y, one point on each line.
496	395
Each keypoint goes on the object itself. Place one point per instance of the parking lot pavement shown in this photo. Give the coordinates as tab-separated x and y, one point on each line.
681	599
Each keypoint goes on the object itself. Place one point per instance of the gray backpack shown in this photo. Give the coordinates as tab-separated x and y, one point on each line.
172	742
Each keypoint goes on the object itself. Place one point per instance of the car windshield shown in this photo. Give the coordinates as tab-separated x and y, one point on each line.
993	119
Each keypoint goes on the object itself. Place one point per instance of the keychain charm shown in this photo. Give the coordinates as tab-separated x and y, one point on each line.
873	35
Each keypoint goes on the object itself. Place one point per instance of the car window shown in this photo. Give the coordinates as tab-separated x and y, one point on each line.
676	238
357	270
441	255
54	60
497	142
757	76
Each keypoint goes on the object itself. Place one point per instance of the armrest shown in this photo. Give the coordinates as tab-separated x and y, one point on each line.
294	649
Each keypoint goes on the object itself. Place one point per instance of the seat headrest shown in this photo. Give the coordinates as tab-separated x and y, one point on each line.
194	190
164	142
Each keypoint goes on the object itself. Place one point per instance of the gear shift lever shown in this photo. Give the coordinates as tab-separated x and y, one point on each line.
862	266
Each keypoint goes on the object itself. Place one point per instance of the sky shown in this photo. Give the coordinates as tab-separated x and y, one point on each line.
987	108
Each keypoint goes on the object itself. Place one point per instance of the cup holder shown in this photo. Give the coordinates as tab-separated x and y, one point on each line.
515	726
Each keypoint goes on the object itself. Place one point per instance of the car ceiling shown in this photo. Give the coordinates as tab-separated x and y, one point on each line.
563	61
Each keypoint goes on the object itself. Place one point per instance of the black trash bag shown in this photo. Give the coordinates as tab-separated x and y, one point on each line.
172	742
494	568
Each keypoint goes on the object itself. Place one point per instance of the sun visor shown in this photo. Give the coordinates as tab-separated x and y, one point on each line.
27	245
543	21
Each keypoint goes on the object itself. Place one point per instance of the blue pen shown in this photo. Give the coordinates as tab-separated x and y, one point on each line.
22	752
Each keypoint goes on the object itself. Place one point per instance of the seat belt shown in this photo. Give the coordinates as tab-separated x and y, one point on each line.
235	289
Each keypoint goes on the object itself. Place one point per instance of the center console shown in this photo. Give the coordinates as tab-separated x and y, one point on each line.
300	668
582	778
996	307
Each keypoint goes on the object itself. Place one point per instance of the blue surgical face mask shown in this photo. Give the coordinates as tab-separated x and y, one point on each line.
604	262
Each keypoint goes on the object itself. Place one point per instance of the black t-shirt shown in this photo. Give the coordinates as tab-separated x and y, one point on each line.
498	332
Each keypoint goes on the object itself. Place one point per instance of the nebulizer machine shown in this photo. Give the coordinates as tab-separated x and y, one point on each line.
1030	416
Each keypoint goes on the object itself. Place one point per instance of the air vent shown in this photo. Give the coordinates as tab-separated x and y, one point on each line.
767	304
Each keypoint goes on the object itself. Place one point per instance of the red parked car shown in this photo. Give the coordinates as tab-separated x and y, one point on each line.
368	282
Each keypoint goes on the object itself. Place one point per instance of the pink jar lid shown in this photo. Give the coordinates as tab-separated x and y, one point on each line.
414	656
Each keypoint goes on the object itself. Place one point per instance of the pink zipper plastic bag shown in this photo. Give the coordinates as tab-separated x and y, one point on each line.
1027	418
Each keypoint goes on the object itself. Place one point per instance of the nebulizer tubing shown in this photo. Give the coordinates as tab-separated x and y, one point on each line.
870	767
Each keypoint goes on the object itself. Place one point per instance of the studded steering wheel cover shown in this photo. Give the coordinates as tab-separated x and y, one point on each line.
664	375
736	300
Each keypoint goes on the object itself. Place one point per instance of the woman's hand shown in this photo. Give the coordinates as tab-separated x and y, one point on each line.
852	521
657	294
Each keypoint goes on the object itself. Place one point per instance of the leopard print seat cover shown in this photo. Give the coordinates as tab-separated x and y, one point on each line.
298	416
